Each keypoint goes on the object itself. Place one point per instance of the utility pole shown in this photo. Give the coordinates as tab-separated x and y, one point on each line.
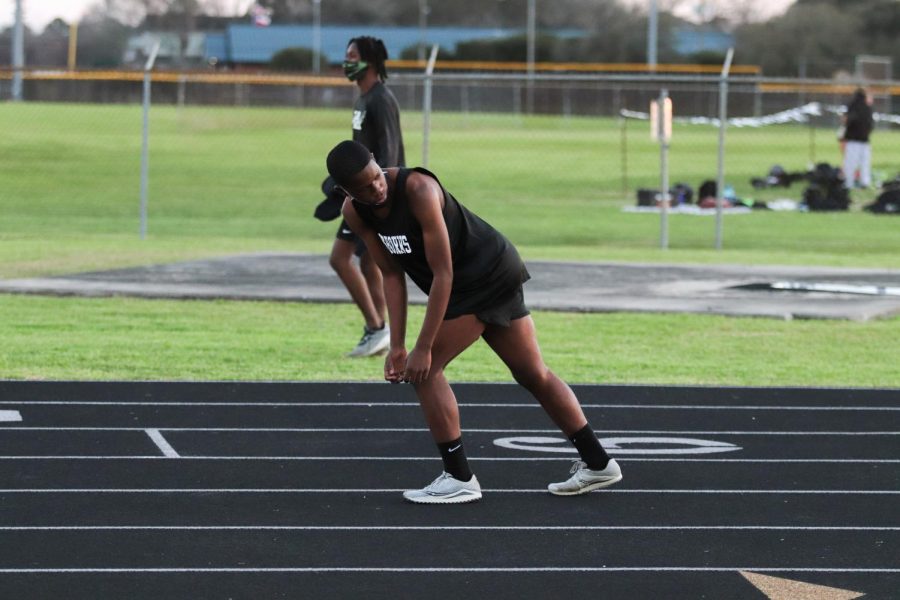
317	36
18	53
652	29
73	46
424	10
532	26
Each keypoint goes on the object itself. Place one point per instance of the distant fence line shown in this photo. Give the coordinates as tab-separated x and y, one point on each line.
414	65
545	92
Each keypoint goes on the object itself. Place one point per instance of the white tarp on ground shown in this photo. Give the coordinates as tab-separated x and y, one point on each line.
800	114
689	209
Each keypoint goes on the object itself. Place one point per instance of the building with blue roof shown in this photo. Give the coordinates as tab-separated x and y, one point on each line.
215	49
693	39
248	44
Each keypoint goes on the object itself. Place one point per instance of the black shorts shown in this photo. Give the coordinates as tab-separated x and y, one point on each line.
510	309
346	234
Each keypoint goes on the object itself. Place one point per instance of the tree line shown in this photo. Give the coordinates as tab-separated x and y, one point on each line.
813	38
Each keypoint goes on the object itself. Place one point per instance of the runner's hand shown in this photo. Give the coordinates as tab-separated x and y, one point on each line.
394	365
418	366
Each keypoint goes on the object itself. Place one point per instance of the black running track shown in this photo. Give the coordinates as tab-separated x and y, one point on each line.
292	490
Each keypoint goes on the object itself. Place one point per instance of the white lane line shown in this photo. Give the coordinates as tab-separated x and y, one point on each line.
422	430
161	443
10	416
439	528
452	570
397	490
301	404
886	461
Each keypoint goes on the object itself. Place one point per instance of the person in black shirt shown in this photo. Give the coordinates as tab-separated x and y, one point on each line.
376	124
858	125
473	277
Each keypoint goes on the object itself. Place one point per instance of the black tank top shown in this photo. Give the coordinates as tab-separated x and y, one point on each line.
487	269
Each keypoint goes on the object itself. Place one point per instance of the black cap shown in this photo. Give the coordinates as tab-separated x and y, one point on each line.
329	209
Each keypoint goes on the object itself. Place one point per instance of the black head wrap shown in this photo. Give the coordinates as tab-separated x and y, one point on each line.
373	51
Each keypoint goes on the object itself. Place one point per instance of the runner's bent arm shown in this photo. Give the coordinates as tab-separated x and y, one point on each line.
426	203
394	292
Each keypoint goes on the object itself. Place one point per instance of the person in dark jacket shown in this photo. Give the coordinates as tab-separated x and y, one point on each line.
858	125
473	278
376	124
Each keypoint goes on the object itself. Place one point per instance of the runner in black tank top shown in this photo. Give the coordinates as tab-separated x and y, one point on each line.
473	277
486	266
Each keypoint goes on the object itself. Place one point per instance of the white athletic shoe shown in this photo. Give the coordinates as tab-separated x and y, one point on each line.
446	490
584	480
374	341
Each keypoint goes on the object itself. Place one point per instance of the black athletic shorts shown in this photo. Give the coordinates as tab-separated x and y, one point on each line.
510	309
345	233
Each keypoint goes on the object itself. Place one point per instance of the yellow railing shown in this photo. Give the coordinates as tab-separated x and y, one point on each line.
570	67
266	78
826	88
177	76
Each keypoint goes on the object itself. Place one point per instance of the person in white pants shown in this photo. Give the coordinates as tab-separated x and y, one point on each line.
857	164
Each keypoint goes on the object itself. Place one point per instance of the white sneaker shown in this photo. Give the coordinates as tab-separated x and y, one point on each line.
374	341
446	490
584	480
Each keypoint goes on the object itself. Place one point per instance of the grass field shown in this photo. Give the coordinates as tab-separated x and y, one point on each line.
226	181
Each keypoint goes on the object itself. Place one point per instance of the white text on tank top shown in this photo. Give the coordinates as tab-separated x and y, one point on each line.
396	244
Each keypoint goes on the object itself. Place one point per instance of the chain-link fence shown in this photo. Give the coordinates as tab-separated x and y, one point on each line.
232	138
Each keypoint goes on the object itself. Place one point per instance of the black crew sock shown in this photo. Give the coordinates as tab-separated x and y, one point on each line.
454	456
588	446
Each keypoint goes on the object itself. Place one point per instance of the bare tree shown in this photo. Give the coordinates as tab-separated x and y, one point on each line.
288	11
741	12
816	39
215	8
127	12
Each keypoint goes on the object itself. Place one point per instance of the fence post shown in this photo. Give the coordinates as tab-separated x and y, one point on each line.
661	133
145	145
426	105
723	122
812	142
623	152
182	83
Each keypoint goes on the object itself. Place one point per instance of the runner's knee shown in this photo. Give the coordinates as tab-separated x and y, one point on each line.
533	378
340	263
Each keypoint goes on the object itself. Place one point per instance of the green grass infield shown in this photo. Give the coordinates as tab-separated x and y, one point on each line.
237	180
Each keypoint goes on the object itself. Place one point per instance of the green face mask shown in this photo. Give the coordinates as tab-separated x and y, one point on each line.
355	70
